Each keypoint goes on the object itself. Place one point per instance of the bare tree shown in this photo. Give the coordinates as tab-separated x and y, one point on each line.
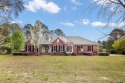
36	36
111	10
10	8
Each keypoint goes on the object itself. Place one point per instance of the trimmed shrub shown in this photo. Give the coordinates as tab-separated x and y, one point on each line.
88	53
103	54
64	53
17	53
25	53
123	52
74	53
113	51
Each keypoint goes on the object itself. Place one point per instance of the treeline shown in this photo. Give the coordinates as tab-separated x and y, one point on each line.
115	42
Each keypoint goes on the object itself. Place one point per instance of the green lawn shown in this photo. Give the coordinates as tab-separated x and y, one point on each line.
62	69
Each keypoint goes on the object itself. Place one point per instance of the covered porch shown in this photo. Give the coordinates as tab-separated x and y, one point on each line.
49	49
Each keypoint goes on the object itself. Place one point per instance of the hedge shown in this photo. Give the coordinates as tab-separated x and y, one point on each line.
103	54
113	51
17	53
123	52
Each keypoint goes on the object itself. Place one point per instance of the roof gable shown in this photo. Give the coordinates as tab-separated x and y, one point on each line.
58	40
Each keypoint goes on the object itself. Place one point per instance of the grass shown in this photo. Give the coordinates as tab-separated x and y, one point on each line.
62	69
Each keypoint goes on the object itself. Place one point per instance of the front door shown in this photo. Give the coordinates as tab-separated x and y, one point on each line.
46	48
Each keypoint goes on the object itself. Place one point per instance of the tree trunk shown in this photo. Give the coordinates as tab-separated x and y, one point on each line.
36	50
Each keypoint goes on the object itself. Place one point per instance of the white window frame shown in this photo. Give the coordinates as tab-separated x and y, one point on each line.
80	48
61	48
54	48
90	48
69	49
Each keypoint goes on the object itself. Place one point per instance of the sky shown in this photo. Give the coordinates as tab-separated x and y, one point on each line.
73	17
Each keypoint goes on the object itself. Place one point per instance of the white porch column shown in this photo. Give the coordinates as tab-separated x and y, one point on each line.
65	48
41	48
50	48
31	48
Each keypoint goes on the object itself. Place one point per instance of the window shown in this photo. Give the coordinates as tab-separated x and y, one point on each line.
80	48
69	49
54	48
90	48
46	38
61	48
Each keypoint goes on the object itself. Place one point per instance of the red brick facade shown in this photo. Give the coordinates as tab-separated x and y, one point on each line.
58	47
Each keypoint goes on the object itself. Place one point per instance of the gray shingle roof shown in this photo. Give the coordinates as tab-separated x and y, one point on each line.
79	40
76	40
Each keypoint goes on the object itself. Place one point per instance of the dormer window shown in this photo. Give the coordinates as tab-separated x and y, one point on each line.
46	39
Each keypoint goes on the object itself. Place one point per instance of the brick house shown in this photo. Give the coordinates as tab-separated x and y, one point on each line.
60	44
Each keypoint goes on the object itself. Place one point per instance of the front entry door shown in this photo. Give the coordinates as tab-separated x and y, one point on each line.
46	48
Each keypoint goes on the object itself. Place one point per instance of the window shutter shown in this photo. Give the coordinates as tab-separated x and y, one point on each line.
56	48
33	48
63	48
59	48
52	48
77	48
92	48
30	48
37	49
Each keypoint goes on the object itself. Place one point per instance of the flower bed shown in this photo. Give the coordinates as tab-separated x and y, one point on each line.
88	53
25	53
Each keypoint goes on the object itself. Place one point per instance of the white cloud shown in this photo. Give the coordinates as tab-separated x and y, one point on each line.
85	21
68	24
18	21
76	2
101	24
98	24
43	4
